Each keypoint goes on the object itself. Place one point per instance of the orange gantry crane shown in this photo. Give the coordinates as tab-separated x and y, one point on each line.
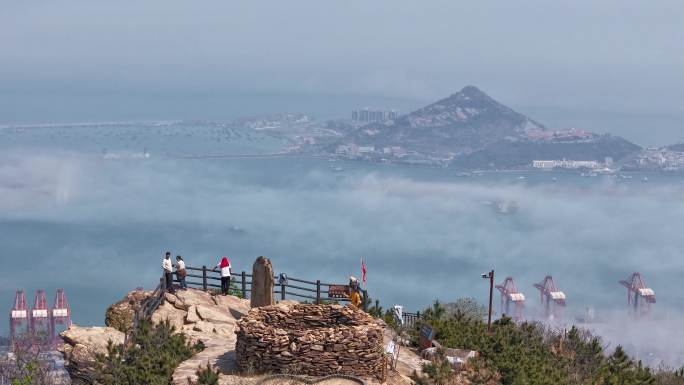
639	296
511	295
552	299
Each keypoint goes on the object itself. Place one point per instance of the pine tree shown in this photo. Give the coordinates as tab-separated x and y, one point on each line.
622	371
438	372
151	358
206	376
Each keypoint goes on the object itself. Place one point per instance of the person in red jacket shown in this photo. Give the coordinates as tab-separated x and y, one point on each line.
224	265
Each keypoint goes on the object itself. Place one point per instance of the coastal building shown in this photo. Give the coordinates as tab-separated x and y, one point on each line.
544	164
367	115
566	164
347	150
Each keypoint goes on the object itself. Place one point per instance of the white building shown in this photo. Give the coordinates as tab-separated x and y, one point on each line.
567	164
347	149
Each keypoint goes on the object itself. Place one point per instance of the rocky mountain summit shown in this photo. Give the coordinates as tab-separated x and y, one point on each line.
469	118
469	129
202	317
214	321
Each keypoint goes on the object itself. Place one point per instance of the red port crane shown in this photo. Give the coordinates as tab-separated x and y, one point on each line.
61	314
552	299
19	317
511	295
639	296
40	318
38	326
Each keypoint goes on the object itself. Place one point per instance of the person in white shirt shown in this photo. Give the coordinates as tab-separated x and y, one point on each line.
224	265
168	272
180	272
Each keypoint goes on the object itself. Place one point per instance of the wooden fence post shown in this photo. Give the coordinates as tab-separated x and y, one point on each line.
318	292
282	291
244	285
204	278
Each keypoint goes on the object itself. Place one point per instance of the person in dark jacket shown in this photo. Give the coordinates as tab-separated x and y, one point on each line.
168	272
181	273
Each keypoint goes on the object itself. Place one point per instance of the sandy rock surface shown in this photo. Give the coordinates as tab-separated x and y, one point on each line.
408	361
167	312
81	344
207	318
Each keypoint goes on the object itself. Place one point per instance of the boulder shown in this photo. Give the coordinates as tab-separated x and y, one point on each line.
262	283
81	345
167	311
120	315
238	307
214	314
225	330
192	316
187	298
204	327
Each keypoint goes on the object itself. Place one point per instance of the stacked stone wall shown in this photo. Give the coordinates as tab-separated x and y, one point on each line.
313	340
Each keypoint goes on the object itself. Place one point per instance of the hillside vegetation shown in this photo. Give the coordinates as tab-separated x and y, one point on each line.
531	353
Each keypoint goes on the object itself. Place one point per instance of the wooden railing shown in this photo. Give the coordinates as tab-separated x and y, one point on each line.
285	286
147	307
410	319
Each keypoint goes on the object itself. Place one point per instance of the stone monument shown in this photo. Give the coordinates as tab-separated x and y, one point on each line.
262	283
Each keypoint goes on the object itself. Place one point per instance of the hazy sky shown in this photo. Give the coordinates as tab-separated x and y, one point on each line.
613	65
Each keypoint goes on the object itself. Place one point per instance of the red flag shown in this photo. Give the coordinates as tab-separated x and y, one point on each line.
363	272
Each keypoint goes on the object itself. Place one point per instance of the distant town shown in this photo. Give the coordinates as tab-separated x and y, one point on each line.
527	146
467	131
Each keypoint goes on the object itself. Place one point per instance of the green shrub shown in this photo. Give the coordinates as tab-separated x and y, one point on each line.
150	358
206	376
438	372
530	353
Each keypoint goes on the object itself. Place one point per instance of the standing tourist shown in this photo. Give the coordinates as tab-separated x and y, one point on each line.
354	292
180	272
168	272
224	265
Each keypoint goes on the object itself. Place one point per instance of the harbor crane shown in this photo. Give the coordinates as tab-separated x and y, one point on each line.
61	314
639	296
19	317
552	299
38	326
511	295
40	318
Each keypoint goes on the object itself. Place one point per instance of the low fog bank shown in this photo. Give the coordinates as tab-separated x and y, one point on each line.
98	228
657	340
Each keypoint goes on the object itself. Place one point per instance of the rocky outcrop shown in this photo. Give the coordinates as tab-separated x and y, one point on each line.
121	314
314	340
262	283
200	315
81	345
195	313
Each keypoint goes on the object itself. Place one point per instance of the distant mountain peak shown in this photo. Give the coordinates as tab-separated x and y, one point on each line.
465	107
470	96
473	92
473	130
